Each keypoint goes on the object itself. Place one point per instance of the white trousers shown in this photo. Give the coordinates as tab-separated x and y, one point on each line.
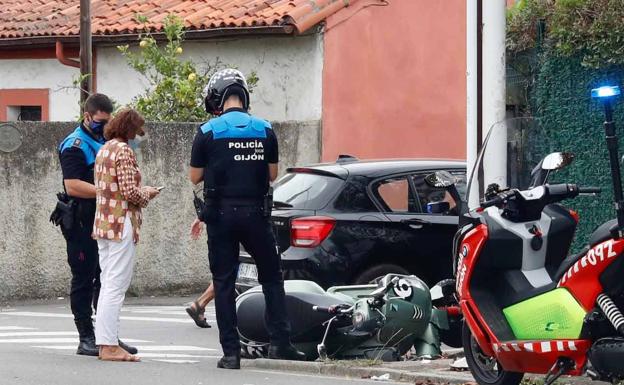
117	264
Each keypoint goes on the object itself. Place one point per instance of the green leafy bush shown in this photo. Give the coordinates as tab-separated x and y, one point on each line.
175	85
563	49
590	29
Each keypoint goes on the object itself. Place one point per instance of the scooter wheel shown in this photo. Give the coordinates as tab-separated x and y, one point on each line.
485	369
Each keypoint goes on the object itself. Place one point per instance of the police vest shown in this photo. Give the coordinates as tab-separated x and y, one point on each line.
81	139
237	162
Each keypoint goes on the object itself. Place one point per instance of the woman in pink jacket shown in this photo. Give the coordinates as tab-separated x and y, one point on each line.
120	198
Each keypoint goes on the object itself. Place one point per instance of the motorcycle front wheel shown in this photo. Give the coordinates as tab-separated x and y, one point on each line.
485	369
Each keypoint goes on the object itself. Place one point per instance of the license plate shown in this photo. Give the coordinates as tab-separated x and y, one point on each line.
247	270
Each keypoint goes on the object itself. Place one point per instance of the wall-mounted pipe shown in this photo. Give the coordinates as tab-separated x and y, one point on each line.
60	55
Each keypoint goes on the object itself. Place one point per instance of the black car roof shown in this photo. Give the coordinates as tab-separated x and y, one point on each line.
380	167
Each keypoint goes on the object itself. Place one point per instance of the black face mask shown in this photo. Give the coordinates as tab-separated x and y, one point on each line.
98	127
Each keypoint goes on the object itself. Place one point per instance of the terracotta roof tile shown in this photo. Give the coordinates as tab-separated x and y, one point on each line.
30	18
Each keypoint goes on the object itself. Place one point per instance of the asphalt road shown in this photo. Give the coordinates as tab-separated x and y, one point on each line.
38	343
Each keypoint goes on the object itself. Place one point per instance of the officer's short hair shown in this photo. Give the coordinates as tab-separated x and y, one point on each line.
98	102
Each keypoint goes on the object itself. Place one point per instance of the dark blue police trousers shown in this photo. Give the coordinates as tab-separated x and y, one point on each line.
228	227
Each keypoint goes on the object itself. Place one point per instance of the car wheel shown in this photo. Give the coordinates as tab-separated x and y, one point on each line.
377	272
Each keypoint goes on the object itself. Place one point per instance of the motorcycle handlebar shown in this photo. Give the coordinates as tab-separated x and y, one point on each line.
321	309
334	310
590	190
498	199
556	193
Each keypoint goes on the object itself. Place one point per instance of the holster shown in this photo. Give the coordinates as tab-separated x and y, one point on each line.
267	203
64	214
206	209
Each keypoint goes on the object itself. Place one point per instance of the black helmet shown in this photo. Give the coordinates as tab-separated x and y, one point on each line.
221	86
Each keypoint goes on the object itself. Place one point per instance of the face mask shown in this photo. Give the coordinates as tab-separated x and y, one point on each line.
98	127
134	143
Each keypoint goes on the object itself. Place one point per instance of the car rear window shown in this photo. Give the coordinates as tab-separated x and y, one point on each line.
305	190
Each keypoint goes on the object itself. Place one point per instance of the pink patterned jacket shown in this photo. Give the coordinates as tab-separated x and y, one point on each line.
118	191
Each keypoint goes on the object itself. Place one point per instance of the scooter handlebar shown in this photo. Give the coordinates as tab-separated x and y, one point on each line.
590	190
321	309
498	199
333	310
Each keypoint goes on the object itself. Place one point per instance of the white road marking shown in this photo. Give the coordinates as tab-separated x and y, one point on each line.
37	334
175	348
150	348
60	341
173	355
179	361
49	340
123	318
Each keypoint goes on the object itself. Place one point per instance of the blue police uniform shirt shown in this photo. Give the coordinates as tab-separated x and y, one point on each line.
77	154
235	150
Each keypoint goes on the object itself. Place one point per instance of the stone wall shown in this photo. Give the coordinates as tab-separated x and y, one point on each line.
32	251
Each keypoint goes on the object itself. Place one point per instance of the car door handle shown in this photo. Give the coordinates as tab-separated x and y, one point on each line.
415	223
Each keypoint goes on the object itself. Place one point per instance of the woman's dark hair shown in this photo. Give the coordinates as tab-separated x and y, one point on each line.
125	123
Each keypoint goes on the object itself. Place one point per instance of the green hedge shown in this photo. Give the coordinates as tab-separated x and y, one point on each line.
572	121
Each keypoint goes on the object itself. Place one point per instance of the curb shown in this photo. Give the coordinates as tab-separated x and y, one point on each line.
357	372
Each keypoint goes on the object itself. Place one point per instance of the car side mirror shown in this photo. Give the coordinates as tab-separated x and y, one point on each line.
438	207
440	179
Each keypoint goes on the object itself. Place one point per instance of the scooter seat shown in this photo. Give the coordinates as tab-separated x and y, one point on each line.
602	233
301	296
568	263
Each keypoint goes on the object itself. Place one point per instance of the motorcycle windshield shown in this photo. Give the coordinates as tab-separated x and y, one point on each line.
511	149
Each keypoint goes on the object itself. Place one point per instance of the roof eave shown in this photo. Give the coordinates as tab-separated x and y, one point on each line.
206	34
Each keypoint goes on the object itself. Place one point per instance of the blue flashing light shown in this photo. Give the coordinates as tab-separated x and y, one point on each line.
605	92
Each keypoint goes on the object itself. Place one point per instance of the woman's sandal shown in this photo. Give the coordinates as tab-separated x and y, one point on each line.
195	313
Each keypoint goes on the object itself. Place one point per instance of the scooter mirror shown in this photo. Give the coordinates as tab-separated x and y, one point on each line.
557	160
440	179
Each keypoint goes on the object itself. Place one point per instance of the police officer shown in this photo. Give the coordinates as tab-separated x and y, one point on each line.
77	154
236	156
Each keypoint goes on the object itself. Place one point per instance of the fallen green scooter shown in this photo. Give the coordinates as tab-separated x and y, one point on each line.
377	322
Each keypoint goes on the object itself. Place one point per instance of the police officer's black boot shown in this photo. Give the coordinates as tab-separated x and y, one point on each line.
229	362
87	346
277	323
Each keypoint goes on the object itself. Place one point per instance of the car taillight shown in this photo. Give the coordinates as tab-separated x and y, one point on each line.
310	231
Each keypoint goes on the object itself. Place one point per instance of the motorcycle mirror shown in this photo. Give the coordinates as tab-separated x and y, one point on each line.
557	160
440	179
438	207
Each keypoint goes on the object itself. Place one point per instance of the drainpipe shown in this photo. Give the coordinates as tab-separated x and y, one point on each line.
60	55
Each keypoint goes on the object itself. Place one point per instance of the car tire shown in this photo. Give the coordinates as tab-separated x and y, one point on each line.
374	273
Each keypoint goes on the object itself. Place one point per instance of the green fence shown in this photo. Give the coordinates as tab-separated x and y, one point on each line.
571	121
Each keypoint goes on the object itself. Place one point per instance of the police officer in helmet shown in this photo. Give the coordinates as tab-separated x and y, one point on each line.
77	154
236	157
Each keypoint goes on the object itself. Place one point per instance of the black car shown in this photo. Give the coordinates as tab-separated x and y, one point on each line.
352	222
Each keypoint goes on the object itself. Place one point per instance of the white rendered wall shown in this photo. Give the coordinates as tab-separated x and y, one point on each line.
289	68
44	73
